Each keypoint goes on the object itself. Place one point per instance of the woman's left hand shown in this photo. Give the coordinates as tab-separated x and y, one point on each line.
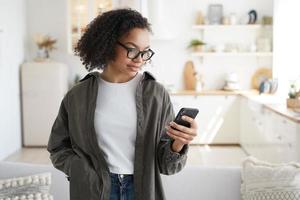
182	135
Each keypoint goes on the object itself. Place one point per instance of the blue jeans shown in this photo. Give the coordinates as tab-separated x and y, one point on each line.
122	187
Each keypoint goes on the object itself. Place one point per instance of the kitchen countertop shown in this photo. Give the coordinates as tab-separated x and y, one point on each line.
275	104
271	102
285	112
213	92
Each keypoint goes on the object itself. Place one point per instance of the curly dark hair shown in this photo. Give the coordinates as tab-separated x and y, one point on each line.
97	45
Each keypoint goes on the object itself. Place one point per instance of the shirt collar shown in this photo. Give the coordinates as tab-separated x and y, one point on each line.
146	76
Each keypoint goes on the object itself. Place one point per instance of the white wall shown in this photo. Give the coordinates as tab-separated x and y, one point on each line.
12	22
286	43
45	16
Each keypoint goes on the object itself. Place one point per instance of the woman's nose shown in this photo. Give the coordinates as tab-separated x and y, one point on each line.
138	59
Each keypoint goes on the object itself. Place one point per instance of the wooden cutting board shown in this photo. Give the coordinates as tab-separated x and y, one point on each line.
189	76
260	75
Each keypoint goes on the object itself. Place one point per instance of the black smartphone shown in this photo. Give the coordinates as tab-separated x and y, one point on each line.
191	112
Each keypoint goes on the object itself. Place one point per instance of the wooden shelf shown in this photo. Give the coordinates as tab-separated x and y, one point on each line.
212	54
213	92
240	26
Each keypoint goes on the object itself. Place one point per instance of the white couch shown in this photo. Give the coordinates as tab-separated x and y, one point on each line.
192	183
59	186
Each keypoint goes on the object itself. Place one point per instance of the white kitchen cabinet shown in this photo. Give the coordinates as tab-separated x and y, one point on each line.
268	135
297	149
218	117
43	86
252	126
81	12
286	136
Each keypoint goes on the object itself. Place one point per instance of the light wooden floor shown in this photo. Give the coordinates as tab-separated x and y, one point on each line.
30	155
198	155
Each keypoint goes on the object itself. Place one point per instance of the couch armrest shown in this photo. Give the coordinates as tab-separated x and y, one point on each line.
204	182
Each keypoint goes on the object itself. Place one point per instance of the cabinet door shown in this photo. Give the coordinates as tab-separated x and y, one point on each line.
218	118
81	12
286	139
253	127
267	135
298	142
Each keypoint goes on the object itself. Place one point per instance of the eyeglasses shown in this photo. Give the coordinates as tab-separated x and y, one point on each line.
133	53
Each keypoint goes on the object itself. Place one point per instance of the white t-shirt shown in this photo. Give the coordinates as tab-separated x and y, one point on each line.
115	123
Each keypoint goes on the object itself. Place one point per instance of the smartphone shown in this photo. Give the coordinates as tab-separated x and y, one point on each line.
191	112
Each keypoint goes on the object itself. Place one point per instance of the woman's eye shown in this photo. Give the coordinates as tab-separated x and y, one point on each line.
132	50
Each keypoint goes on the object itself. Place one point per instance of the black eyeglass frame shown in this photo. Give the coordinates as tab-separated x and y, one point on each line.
138	54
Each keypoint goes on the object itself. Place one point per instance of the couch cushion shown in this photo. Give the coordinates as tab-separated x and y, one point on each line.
36	186
60	185
263	180
204	182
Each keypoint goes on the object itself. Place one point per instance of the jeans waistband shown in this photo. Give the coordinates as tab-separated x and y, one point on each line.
121	178
121	175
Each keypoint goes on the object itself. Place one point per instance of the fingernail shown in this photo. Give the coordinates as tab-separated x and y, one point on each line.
183	117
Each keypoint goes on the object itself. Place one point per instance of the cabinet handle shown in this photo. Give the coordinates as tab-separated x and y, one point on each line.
279	137
260	123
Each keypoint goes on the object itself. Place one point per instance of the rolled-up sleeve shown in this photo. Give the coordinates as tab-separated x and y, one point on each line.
169	162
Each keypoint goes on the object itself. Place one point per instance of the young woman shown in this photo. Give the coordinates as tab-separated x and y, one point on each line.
114	133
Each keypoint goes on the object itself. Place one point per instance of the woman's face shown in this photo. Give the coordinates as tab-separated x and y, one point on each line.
138	39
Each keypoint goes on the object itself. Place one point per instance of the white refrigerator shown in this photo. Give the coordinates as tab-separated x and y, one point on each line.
43	86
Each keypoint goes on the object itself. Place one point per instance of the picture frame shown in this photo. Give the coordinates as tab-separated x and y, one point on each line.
215	14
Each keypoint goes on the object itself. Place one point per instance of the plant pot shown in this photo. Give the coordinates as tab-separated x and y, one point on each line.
198	48
42	55
293	103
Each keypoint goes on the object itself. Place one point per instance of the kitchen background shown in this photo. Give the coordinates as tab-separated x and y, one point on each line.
173	29
233	52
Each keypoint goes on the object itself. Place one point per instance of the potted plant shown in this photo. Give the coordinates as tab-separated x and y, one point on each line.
45	45
196	45
294	97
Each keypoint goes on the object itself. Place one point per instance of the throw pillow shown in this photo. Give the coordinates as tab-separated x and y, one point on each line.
34	187
262	180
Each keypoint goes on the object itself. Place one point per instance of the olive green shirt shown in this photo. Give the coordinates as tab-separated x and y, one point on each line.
74	149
